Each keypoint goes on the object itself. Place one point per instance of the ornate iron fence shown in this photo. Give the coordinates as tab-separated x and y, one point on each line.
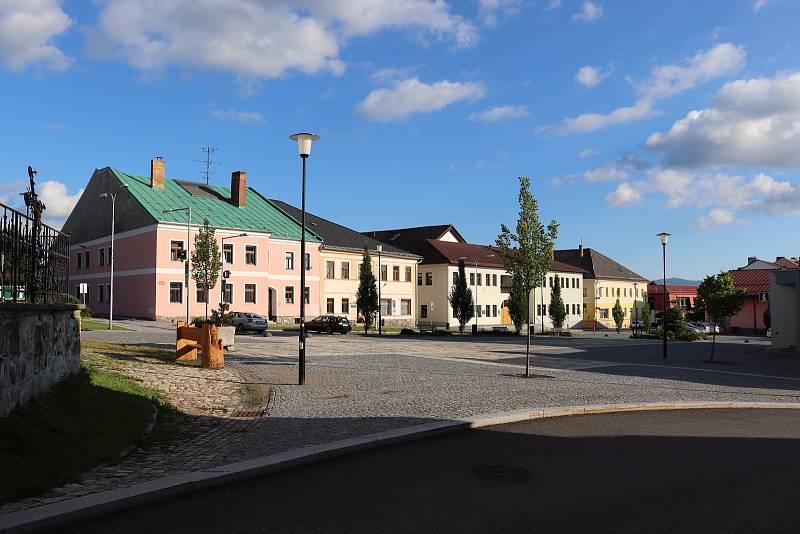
34	260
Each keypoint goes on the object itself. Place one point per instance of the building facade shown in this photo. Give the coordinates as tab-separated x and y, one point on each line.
681	296
149	246
784	298
606	282
442	246
341	255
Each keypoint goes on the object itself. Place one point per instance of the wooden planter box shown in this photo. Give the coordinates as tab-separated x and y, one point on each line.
206	338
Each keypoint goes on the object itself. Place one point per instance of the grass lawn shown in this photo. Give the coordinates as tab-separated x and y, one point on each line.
99	324
81	422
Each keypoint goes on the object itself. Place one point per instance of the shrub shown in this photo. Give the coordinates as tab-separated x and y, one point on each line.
408	332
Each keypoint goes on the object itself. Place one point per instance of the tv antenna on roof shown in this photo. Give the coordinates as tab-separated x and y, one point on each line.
208	162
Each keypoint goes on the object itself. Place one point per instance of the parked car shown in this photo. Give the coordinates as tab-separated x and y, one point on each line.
637	325
697	328
244	321
712	328
329	324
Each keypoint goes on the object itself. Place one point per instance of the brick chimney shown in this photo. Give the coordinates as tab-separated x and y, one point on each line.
157	173
751	259
239	188
580	250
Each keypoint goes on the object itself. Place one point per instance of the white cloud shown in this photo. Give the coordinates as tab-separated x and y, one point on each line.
260	39
758	5
238	116
715	217
492	10
27	30
755	123
626	194
590	12
609	172
664	81
411	96
587	153
590	76
58	202
499	113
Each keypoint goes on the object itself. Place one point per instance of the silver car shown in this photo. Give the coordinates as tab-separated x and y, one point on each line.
244	321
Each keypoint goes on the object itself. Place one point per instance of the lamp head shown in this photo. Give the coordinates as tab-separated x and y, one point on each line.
379	248
304	141
664	236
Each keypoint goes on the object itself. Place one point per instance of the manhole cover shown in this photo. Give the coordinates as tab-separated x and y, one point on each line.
502	473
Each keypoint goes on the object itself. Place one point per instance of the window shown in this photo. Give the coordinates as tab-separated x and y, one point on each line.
396	273
345	305
227	252
762	297
578	308
472	279
618	293
478	311
289	262
250	255
288	294
494	310
578	283
330	267
329	306
480	277
175	250
455	278
551	281
423	311
308	295
101	256
202	295
346	270
386	307
604	313
175	292
544	309
384	272
408	274
227	294
606	291
419	279
538	309
308	261
101	293
488	311
428	279
566	309
78	264
405	307
86	259
249	293
494	280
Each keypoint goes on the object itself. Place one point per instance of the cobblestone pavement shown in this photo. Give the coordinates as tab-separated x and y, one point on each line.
357	385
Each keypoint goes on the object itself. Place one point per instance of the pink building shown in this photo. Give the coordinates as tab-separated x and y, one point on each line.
754	278
149	271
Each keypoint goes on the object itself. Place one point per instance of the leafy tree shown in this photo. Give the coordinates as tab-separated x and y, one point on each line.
527	252
461	298
676	321
720	298
206	261
767	317
619	315
517	304
647	321
367	295
557	312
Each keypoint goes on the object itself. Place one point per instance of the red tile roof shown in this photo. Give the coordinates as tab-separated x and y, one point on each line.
672	289
755	281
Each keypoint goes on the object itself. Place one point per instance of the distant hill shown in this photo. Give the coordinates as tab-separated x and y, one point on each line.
679	282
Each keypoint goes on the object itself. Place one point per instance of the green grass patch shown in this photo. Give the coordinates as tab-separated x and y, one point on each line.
113	355
98	324
83	421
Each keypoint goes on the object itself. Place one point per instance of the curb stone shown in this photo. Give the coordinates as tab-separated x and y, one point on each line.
88	506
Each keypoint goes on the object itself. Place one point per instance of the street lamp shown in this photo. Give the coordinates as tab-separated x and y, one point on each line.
223	284
664	237
188	210
304	141
635	303
113	197
379	248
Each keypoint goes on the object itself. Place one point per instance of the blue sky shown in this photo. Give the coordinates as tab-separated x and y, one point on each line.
630	117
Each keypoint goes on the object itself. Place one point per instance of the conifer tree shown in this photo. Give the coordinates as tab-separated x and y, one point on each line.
461	298
367	294
557	312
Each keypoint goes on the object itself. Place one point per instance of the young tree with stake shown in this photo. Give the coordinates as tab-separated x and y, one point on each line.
367	294
461	298
206	261
721	298
528	252
517	304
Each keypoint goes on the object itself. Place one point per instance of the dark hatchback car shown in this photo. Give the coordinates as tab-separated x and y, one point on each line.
329	324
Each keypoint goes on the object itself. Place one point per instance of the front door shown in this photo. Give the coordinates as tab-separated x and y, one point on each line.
505	316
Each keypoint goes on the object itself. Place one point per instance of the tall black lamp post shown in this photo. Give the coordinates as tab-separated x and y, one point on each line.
664	236
304	141
380	282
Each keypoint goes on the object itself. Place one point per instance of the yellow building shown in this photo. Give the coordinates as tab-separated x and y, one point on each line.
606	282
341	255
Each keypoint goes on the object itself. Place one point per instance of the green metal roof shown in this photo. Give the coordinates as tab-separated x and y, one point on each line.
258	213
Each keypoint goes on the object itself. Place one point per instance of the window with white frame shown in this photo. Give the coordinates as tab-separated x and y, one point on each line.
330	305
227	294
175	250
330	268
289	261
405	307
345	305
308	261
249	293
201	295
250	255
175	292
395	273
227	252
345	270
288	294
408	273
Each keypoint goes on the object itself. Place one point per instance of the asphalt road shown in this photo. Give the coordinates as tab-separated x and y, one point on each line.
678	471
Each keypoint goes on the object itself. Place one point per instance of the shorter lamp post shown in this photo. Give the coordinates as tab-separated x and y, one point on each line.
664	237
188	210
635	303
379	248
113	197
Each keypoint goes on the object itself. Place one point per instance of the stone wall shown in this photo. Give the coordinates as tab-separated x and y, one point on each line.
39	345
